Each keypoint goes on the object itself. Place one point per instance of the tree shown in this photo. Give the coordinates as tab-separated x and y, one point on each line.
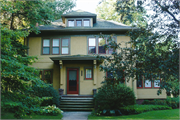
18	80
155	40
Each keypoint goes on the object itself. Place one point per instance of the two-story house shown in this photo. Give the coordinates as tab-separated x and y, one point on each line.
65	50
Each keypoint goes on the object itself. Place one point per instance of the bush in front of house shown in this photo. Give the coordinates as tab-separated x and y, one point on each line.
171	102
110	98
137	109
48	91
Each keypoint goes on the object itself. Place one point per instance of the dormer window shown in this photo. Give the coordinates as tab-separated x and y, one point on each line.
71	23
80	22
86	22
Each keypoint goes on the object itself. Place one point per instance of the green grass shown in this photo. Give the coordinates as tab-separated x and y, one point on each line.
159	114
8	115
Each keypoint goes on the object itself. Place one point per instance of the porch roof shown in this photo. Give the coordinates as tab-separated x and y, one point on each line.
74	57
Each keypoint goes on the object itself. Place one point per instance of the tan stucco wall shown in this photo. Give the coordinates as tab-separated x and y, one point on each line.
78	45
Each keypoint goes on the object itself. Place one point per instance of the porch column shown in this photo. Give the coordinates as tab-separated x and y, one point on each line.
95	72
61	71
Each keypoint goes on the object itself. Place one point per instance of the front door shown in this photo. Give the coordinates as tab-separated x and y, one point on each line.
73	81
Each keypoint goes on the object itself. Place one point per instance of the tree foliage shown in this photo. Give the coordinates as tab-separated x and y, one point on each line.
18	80
155	41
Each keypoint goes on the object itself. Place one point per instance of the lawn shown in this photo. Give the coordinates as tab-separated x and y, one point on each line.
8	115
158	114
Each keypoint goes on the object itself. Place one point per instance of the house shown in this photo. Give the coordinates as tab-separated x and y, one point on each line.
65	50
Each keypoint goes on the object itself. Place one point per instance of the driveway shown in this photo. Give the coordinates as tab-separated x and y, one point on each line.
75	115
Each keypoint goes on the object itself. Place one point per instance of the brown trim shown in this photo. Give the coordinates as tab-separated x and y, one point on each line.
65	46
98	46
46	46
91	46
56	46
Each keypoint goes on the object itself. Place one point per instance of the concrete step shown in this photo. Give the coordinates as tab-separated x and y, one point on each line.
77	109
76	103
71	100
76	106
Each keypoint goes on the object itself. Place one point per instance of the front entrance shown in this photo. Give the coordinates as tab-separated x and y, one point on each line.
72	81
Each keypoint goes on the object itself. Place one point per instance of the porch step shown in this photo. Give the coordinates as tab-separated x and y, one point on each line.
76	103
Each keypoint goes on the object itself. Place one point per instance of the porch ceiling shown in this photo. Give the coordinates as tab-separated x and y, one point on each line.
74	57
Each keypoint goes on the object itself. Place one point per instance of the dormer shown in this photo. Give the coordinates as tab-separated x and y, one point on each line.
79	18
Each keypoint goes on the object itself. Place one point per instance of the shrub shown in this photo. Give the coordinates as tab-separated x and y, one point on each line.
173	102
110	98
136	109
50	110
48	91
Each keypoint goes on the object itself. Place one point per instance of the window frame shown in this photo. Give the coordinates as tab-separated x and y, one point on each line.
111	48
56	46
99	46
86	19
91	73
141	82
145	82
71	20
65	46
154	83
46	47
79	19
91	46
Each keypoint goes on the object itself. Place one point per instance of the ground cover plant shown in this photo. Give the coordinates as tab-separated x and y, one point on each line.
158	114
171	102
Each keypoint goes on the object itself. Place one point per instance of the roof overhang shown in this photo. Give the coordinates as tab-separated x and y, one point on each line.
76	57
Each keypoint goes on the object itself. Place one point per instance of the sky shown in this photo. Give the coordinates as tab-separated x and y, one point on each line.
87	5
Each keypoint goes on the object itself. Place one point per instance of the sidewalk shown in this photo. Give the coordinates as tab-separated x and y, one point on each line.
75	115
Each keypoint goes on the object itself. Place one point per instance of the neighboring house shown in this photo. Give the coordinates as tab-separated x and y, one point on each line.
65	50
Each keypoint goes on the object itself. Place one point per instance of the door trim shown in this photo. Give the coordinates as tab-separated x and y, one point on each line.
67	81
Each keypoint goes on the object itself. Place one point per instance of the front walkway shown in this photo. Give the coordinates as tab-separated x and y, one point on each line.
75	115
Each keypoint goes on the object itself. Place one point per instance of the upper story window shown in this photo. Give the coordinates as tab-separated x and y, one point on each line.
78	22
56	46
46	46
86	22
92	45
65	46
101	47
96	46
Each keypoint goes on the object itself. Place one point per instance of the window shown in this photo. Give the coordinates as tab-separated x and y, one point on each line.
147	84
46	46
157	83
86	22
110	50
78	23
65	46
92	45
55	46
71	23
139	81
46	76
88	73
101	47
